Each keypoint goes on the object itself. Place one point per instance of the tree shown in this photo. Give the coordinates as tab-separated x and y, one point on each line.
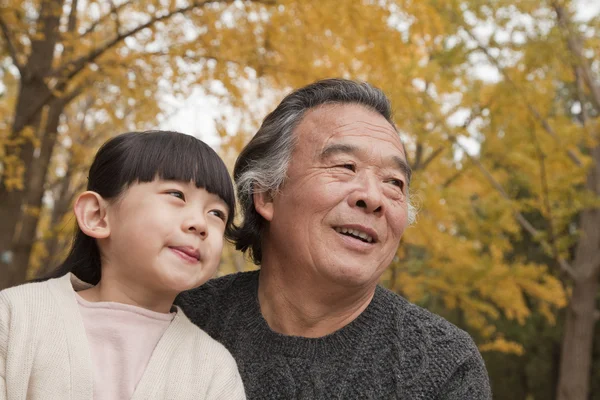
132	49
488	153
536	123
64	49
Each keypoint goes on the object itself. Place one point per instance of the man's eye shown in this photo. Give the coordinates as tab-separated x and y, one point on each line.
177	193
218	213
397	182
348	166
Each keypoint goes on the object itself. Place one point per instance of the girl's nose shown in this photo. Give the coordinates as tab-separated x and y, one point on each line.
197	224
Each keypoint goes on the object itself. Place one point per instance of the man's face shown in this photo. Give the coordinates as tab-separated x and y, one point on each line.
342	209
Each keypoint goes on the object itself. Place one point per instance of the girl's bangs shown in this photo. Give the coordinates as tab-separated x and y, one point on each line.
179	157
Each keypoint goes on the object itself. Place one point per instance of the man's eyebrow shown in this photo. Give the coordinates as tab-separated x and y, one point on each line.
404	167
337	148
398	162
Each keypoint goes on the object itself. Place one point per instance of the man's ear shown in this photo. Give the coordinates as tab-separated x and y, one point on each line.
263	204
90	210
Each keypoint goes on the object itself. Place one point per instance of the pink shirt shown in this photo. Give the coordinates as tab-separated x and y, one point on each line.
121	339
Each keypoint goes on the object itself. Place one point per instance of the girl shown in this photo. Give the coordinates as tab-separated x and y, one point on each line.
150	226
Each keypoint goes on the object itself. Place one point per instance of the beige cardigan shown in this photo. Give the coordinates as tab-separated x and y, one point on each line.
44	352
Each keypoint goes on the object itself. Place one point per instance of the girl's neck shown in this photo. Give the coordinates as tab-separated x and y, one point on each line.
117	292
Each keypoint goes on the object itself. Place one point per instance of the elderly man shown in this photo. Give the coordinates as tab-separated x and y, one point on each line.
324	191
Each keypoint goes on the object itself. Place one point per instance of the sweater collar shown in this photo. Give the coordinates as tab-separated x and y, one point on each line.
77	283
348	337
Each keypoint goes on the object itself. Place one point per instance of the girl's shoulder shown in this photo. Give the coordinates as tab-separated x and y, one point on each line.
31	295
190	350
23	291
181	324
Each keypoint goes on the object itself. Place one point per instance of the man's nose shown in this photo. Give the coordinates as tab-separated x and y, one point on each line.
367	194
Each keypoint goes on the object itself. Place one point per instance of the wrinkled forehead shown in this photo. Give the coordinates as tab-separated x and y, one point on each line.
345	123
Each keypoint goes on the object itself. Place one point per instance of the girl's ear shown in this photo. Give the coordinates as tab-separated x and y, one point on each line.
90	209
263	204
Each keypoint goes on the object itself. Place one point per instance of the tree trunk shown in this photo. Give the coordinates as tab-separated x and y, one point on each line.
34	193
53	245
34	94
576	354
12	200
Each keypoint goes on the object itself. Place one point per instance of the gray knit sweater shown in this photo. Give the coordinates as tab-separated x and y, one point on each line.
393	350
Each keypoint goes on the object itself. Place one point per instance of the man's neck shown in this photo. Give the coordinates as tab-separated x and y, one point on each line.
296	307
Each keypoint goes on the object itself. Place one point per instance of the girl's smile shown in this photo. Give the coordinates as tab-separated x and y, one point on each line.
187	253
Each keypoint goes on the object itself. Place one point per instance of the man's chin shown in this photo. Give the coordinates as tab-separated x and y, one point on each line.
354	276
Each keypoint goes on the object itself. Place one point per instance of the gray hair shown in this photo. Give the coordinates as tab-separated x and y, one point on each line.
262	165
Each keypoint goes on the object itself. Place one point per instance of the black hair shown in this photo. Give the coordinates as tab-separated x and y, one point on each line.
138	157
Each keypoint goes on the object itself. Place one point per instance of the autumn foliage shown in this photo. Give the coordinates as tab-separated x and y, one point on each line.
498	103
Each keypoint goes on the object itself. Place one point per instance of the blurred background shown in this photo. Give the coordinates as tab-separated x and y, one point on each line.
497	101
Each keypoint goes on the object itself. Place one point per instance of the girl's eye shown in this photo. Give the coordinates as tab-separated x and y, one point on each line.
177	193
218	213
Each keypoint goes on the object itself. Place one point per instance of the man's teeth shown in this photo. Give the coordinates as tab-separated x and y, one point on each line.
356	233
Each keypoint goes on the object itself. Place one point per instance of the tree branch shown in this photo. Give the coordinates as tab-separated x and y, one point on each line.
432	156
75	67
564	265
574	44
72	25
418	155
456	175
79	64
580	94
545	193
115	12
103	18
530	107
12	50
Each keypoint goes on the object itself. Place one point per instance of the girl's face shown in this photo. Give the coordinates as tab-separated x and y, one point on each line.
165	237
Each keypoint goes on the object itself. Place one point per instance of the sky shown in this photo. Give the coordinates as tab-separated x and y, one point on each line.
195	116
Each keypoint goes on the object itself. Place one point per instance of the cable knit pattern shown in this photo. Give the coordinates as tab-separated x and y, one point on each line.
393	350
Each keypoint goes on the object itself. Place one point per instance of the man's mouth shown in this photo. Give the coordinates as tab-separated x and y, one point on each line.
355	233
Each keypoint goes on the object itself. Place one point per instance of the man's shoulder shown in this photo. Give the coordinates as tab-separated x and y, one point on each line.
433	353
207	305
222	286
418	328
